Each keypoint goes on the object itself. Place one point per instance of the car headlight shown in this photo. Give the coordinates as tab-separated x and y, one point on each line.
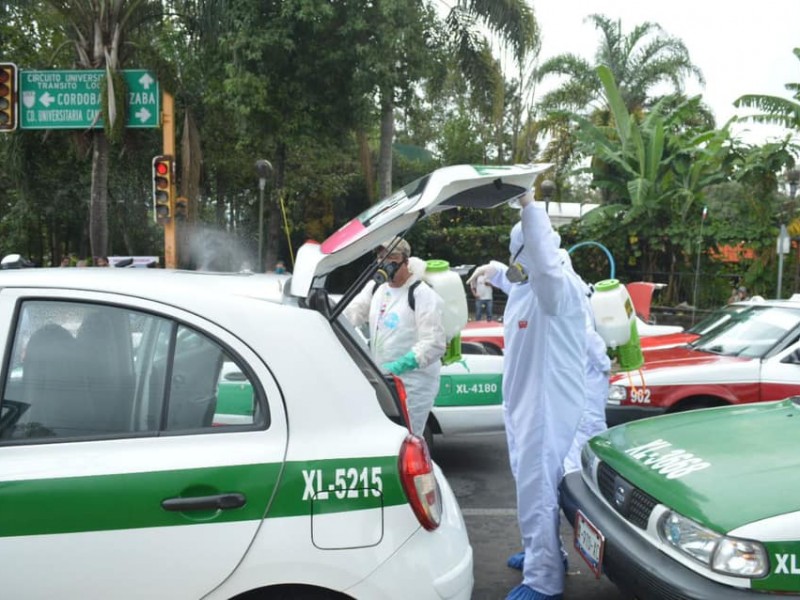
617	393
740	558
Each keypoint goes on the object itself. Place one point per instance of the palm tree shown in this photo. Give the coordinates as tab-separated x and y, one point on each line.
98	31
638	61
774	109
512	21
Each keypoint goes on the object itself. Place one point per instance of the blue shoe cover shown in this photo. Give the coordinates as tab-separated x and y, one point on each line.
515	561
523	592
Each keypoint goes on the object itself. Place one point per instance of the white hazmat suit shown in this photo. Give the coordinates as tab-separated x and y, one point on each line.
598	367
395	330
544	392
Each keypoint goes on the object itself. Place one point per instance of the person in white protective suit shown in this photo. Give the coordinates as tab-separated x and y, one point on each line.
404	340
544	388
597	370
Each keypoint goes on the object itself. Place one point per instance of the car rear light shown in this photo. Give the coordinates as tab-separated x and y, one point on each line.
419	482
403	396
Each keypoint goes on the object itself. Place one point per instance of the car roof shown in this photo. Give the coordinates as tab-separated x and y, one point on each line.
186	289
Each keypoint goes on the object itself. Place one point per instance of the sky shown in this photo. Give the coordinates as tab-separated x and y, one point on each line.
740	48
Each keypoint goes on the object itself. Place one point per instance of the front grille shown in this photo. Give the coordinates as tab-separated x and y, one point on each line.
629	501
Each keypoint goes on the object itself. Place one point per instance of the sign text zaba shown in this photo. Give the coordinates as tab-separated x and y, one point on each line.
72	99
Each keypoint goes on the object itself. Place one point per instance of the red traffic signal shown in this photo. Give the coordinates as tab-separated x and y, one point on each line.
8	96
163	203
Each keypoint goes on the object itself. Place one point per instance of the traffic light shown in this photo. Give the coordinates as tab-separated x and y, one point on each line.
181	208
8	96
163	172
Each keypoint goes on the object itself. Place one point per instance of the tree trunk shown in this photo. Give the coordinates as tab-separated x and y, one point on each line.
365	156
387	138
98	207
191	166
191	163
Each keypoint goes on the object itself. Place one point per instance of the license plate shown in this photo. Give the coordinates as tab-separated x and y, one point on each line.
589	542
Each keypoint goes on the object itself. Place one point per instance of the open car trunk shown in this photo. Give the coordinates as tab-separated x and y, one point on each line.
472	186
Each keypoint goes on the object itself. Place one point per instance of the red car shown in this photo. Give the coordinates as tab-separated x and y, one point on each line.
490	335
753	356
487	333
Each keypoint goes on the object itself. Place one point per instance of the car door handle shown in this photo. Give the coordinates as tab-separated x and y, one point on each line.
216	502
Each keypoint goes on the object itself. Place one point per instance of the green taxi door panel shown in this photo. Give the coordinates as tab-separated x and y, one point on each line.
476	380
444	397
97	472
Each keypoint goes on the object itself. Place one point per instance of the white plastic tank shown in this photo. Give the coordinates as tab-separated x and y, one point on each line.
613	312
448	285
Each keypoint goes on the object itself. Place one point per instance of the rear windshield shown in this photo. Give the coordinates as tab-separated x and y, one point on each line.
355	344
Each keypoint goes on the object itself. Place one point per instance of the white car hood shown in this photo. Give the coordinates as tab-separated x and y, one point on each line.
475	186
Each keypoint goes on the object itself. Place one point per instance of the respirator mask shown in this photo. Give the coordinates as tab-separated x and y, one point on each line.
386	272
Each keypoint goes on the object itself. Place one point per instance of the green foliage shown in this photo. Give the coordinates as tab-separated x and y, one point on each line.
292	81
774	109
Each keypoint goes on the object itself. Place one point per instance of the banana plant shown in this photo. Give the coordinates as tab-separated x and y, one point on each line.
656	169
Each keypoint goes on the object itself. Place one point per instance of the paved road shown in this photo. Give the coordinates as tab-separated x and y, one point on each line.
477	469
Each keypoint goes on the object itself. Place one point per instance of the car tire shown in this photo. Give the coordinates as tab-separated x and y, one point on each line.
291	592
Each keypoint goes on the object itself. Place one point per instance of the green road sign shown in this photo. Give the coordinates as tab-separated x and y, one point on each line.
71	99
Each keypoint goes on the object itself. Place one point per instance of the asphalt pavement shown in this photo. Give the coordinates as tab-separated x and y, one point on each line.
477	468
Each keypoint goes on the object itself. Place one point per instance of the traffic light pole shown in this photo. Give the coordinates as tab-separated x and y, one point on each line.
168	133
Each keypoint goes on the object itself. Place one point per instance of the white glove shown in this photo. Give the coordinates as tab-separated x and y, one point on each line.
526	198
488	270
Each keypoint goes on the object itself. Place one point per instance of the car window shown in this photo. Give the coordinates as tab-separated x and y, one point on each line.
751	333
88	370
355	344
716	318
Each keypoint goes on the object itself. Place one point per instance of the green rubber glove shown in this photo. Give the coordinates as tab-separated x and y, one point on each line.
405	363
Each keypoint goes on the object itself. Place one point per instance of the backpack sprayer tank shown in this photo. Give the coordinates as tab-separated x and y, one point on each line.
448	285
615	322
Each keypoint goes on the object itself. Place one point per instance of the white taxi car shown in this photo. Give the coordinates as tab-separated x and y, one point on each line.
118	481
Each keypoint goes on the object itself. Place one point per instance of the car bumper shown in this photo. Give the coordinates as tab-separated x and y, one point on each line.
634	565
617	414
440	561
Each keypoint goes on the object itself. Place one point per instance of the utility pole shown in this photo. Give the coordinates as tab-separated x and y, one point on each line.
168	141
264	171
697	268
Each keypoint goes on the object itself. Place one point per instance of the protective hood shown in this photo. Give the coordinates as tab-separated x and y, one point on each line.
473	186
516	242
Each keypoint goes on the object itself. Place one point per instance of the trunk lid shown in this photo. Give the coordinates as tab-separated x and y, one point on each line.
474	186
